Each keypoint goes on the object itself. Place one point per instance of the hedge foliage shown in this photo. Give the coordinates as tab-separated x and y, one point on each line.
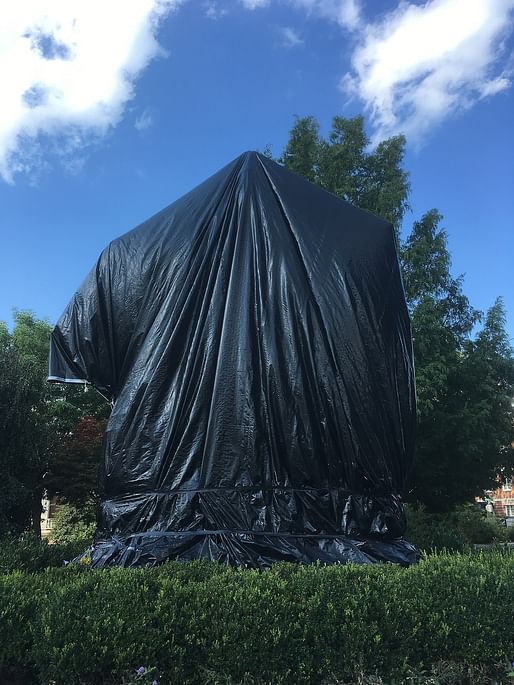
204	623
31	554
456	530
74	524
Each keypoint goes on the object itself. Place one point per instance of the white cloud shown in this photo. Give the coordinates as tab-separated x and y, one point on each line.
422	63
255	4
213	10
144	120
289	37
68	69
346	13
494	86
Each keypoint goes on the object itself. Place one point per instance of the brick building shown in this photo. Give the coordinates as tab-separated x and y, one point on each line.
502	500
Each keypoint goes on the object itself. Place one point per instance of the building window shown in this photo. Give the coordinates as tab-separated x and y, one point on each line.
507	485
509	510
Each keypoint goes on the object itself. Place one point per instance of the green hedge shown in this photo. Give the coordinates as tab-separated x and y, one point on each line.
204	623
456	530
74	524
29	553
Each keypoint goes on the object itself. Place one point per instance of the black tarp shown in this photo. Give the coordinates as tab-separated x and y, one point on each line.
254	340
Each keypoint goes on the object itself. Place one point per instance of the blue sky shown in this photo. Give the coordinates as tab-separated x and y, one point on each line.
110	111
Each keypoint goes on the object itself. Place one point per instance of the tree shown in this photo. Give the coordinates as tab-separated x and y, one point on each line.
342	165
35	418
442	320
73	472
301	153
25	427
464	385
13	512
70	402
488	371
78	417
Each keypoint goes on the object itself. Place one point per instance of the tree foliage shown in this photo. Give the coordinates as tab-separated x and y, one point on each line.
343	165
73	471
36	419
25	431
74	523
465	382
302	151
489	375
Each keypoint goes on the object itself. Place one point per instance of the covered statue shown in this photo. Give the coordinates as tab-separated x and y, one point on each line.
254	341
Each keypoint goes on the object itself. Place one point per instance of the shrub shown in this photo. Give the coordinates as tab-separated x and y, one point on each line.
29	553
455	531
431	532
74	524
204	623
479	528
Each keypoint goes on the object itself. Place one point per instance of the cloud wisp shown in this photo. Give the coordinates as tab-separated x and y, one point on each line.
213	10
420	64
347	13
289	38
144	121
255	4
69	68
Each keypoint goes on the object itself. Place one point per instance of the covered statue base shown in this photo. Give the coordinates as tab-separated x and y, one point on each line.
251	550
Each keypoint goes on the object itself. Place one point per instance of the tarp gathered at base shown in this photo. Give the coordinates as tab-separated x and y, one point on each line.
254	340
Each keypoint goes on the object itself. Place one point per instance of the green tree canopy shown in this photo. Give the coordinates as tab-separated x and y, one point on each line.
36	418
342	164
302	151
73	471
465	383
25	432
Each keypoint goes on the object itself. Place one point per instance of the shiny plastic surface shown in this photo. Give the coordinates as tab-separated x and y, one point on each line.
254	340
